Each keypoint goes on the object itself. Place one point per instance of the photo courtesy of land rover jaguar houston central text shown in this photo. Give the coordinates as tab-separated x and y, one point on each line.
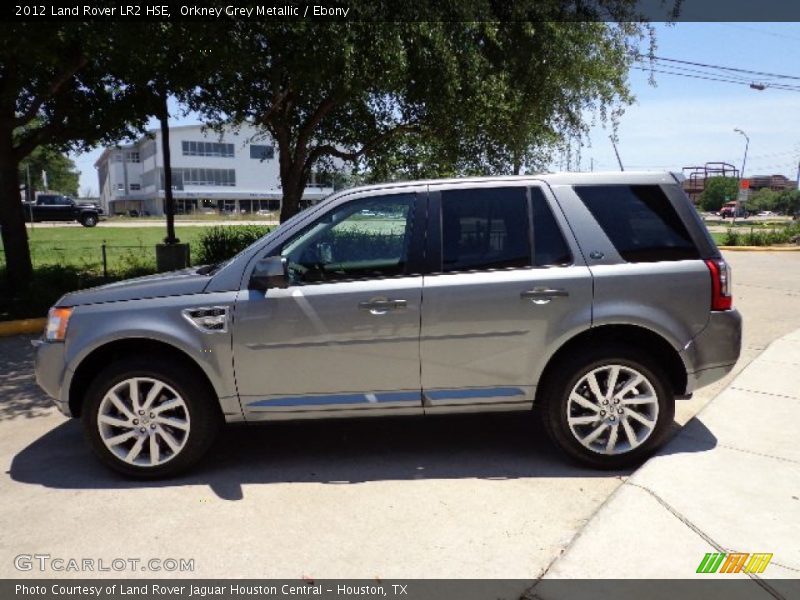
595	298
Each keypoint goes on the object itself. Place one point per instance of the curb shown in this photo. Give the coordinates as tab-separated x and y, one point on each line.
22	326
760	248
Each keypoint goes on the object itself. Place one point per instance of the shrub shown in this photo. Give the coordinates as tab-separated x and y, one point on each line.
220	243
732	238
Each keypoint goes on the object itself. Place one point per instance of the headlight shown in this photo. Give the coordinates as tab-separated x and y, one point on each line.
57	320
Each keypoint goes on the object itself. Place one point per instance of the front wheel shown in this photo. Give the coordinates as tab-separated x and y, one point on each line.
149	421
609	409
89	220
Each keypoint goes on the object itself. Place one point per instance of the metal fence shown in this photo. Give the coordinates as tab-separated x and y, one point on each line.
103	259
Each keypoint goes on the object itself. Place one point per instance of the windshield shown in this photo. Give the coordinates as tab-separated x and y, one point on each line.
213	268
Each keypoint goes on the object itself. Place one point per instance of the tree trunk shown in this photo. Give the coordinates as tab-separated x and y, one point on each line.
12	220
293	183
290	203
169	200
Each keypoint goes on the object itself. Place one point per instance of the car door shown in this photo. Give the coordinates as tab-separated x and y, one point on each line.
343	337
503	292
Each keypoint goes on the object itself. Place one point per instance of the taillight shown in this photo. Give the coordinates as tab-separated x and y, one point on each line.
721	296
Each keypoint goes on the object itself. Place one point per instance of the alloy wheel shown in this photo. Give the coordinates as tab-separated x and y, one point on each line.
612	409
143	422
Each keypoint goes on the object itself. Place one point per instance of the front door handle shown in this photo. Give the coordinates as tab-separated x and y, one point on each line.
380	306
544	295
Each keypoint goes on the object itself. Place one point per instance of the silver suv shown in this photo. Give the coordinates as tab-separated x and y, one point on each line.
595	298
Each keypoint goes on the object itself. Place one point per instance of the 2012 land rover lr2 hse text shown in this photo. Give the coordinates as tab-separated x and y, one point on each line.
596	298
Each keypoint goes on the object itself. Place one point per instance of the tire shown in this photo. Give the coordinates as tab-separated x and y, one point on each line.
88	220
175	431
573	424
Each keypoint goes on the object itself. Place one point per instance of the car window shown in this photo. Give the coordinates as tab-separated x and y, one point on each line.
485	228
363	239
549	246
640	222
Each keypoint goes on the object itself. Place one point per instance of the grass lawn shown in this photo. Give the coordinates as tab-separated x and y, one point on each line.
82	246
71	258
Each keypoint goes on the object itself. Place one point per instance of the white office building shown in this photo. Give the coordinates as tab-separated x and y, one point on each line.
235	171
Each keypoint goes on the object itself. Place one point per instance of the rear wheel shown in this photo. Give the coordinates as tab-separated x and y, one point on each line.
608	408
149	421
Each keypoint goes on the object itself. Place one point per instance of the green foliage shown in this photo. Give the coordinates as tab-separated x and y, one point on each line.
762	237
718	191
788	202
49	283
763	200
217	244
454	95
62	175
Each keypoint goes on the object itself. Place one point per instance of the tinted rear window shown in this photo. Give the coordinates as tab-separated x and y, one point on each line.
640	222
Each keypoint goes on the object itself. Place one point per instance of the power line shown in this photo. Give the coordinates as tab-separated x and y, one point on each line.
777	86
721	68
761	31
720	79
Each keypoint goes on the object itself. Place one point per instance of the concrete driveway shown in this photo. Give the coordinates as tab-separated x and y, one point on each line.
472	496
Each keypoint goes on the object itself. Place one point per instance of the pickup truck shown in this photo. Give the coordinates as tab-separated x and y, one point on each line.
55	207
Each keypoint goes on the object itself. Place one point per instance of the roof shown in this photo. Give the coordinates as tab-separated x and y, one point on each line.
553	179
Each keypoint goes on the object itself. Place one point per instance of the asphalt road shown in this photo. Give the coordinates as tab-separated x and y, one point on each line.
471	496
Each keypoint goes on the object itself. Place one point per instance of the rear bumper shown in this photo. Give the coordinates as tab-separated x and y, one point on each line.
713	353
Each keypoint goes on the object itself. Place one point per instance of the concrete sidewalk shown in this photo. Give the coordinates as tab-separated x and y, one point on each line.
728	482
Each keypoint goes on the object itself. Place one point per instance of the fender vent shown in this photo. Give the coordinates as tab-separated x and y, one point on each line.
209	319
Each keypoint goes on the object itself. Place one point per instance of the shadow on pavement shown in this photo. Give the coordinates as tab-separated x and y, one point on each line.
19	394
336	452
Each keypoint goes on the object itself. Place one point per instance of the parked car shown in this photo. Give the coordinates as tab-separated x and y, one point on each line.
733	209
56	207
597	298
766	213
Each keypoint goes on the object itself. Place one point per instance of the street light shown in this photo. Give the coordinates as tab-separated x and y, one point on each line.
746	146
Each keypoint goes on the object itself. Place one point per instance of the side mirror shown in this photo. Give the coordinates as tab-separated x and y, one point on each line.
269	273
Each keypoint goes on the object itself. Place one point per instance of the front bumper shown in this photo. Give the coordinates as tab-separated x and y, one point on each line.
713	353
51	369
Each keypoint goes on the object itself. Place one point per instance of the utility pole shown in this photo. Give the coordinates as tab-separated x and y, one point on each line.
798	175
746	146
619	160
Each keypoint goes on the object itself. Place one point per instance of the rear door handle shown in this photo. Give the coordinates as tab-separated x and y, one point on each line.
379	306
544	295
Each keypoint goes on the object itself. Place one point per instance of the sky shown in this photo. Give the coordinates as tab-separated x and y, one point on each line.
682	121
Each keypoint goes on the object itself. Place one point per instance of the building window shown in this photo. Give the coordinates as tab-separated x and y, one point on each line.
116	157
218	149
261	152
132	157
135	187
215	177
121	187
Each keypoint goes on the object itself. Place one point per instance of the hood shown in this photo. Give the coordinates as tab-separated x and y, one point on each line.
175	283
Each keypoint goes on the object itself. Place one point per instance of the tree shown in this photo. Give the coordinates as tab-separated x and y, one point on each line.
717	191
789	202
764	199
439	97
62	175
61	93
